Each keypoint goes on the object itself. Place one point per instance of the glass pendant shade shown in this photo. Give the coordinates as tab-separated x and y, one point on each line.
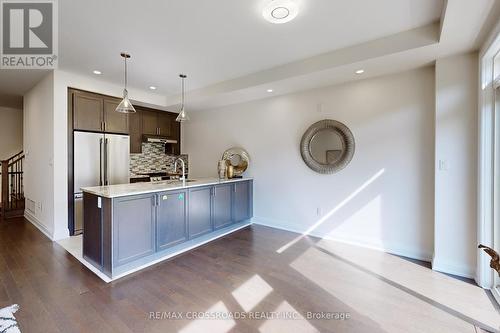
182	116
125	105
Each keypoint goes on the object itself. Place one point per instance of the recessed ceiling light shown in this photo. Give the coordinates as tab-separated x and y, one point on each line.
96	72
270	90
280	11
152	87
360	71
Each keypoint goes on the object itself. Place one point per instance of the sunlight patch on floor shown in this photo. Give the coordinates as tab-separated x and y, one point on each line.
252	292
300	324
379	287
222	325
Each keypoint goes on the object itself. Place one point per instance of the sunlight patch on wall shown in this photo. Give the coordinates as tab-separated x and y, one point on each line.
333	211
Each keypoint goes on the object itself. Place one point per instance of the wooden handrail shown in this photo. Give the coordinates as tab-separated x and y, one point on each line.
15	161
5	185
14	156
12	189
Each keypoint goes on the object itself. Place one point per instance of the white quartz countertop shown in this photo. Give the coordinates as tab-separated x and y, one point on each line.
123	190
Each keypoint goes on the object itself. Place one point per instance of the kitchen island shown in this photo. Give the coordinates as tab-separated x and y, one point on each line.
131	226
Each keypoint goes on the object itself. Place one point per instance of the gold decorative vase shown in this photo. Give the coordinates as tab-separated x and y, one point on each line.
230	171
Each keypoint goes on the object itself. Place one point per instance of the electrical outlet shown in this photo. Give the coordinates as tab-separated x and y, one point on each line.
443	165
318	211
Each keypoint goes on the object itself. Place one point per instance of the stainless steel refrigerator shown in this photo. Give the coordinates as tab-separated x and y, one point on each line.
99	159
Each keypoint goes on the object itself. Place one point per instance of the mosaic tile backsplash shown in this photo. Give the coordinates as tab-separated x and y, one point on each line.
153	159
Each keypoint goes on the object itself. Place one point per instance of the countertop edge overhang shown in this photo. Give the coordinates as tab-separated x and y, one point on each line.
124	190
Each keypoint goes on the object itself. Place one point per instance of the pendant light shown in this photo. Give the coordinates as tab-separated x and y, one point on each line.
182	117
125	105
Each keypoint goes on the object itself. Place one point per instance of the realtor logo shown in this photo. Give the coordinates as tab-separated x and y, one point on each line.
28	34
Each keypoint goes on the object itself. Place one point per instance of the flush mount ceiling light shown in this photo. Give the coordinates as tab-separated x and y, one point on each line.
96	72
360	71
182	117
280	11
152	87
270	90
125	105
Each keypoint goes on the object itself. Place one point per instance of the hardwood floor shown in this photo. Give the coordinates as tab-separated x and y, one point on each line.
240	272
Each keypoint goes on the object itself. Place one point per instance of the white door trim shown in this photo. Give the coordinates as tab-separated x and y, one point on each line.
486	158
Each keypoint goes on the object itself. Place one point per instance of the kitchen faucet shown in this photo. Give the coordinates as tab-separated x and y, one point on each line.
183	178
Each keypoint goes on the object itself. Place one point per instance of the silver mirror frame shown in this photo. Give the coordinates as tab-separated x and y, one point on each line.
348	142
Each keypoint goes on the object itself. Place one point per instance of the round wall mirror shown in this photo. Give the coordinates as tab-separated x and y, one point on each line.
327	146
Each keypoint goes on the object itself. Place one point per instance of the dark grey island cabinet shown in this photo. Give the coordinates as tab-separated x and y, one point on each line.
125	232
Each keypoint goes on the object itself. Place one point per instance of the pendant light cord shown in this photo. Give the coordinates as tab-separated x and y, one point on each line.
125	58
182	103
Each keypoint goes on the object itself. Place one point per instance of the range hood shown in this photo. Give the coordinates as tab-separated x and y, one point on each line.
157	139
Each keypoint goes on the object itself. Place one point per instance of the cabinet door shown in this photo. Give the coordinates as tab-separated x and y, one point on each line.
222	196
114	122
171	224
175	127
241	201
164	124
135	131
87	112
200	211
149	122
133	228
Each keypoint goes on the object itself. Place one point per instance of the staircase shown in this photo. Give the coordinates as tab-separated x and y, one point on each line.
12	188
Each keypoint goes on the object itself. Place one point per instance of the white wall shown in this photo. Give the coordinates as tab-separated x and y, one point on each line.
38	148
456	180
11	131
383	199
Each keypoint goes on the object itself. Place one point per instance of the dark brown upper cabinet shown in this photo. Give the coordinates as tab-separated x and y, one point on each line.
115	122
135	131
96	113
157	122
164	124
87	111
149	122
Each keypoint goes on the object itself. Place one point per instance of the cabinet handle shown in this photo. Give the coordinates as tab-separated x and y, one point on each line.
215	191
159	131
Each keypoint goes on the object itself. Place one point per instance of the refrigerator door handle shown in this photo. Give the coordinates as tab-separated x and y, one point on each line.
106	180
101	182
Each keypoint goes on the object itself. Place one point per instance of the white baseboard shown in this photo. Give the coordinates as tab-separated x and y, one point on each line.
33	220
365	243
444	267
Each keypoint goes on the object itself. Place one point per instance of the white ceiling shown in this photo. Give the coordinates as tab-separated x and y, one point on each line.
231	53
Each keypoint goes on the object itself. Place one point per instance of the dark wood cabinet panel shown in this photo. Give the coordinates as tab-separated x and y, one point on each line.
164	124
92	237
135	131
149	122
87	112
114	122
